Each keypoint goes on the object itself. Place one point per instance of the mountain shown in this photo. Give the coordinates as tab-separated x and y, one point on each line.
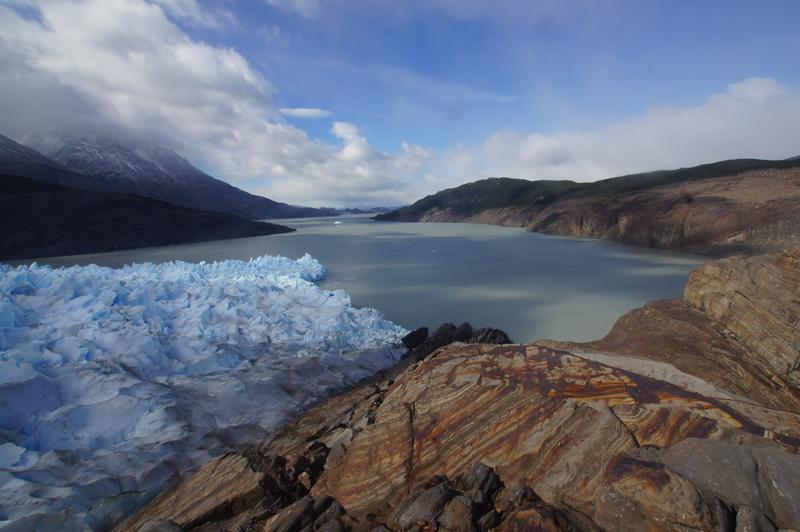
718	209
369	210
40	219
98	162
16	159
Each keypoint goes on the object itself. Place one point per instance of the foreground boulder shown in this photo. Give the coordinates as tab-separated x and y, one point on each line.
422	345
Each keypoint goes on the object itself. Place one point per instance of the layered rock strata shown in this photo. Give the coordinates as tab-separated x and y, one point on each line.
737	327
684	418
597	447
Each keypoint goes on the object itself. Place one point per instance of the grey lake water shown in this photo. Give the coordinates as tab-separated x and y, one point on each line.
532	286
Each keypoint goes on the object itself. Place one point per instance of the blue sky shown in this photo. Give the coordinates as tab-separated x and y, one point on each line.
437	77
413	96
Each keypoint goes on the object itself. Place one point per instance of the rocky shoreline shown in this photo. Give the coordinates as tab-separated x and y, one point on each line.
717	210
685	417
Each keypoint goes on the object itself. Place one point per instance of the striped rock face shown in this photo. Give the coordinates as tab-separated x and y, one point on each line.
758	299
685	417
594	445
568	427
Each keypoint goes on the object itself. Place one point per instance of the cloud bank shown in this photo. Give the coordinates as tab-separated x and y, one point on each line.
756	117
130	65
126	64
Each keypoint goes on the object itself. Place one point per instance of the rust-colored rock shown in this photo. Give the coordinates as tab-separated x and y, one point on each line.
566	427
224	487
758	300
530	520
738	328
643	495
683	418
542	418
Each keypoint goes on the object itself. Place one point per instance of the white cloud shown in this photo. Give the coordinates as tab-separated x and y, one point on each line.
277	37
354	173
756	117
193	13
304	8
124	63
305	112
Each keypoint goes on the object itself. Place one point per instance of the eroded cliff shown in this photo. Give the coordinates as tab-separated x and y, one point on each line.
719	212
752	212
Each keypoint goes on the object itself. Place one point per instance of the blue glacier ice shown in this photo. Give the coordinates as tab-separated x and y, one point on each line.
115	383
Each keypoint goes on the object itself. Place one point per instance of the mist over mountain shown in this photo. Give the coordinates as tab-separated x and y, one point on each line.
104	162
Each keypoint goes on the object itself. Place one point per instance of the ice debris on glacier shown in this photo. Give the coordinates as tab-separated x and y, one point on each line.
116	382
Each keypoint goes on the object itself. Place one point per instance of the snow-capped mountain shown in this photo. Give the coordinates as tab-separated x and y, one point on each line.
19	160
100	162
155	171
95	155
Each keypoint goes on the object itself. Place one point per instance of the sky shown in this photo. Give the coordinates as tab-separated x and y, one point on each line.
380	102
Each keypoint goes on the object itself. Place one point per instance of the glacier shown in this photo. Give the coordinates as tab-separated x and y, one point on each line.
115	383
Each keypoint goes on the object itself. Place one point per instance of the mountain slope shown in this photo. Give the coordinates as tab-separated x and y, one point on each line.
154	171
42	219
16	159
102	163
720	208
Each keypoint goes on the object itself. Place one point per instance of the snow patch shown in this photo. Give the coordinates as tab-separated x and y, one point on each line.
115	383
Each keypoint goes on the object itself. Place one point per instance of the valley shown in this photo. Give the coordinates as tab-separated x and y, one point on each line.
415	266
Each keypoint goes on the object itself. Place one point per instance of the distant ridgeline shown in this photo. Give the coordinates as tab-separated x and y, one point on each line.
44	220
741	205
103	163
47	209
95	194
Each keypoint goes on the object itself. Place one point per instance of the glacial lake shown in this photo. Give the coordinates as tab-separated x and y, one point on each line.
532	286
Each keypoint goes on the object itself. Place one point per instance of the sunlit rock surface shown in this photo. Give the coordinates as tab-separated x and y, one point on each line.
532	437
738	327
587	439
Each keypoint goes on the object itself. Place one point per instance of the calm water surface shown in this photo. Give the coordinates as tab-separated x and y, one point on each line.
532	286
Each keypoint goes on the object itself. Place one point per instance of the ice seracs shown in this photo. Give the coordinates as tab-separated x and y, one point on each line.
116	382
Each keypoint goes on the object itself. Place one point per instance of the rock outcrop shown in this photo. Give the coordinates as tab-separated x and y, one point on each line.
693	423
758	299
596	447
420	344
736	327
